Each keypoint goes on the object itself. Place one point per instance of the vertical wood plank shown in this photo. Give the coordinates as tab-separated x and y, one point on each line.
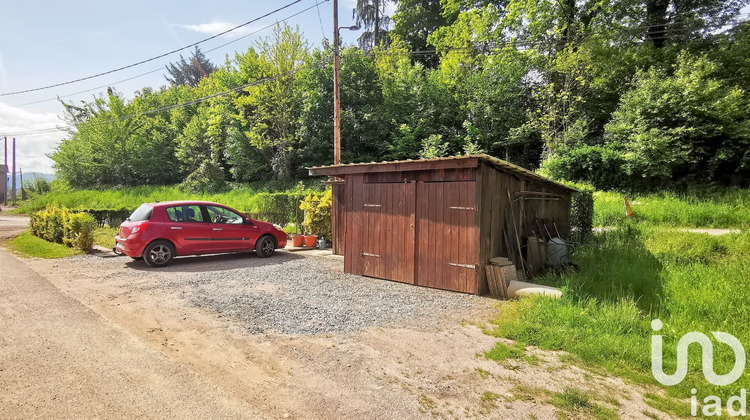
472	218
411	249
454	242
441	239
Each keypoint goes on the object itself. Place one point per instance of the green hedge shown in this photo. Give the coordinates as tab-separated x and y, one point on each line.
60	225
278	208
111	218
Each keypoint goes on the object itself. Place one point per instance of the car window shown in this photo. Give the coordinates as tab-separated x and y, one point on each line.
185	213
141	213
222	215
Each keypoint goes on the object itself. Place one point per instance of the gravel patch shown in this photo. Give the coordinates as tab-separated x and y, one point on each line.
291	294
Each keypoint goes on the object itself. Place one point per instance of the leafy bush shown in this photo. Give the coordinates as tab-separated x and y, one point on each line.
582	212
279	208
318	214
111	218
688	127
602	166
60	225
79	231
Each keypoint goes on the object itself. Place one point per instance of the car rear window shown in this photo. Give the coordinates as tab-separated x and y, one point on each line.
141	213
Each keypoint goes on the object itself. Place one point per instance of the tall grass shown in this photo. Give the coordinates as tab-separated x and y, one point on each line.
641	271
243	197
722	209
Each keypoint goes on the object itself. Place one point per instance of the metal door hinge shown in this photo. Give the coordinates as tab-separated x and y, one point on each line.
366	254
475	208
471	266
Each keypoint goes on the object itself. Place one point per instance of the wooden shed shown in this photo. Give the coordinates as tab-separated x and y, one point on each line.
437	222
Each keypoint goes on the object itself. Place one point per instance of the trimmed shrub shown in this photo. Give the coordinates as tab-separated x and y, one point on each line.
79	231
603	166
279	208
111	218
318	214
60	225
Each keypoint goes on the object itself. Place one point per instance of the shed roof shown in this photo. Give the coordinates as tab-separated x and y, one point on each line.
470	161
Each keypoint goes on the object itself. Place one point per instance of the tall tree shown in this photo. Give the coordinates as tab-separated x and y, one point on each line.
415	20
272	109
190	71
371	15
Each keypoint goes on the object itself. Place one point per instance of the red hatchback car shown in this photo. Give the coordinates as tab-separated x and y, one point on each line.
158	232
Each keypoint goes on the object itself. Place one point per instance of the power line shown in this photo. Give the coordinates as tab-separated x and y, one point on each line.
317	4
320	19
83	91
153	58
268	26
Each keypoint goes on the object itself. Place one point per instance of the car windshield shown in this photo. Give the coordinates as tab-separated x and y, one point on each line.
141	213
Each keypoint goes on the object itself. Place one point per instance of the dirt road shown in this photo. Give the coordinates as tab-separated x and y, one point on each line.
98	337
58	358
11	225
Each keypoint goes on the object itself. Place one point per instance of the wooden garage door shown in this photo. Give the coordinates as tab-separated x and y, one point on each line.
447	236
382	232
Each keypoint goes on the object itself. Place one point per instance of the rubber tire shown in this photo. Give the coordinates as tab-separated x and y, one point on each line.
154	246
265	247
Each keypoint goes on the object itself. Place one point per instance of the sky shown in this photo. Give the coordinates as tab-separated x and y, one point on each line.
48	42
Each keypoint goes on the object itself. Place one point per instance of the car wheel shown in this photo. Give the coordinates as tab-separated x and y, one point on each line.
158	254
265	247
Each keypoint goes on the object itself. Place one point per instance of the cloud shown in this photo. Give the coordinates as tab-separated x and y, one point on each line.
217	26
31	149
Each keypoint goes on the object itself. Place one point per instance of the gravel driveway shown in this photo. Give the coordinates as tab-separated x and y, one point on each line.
292	294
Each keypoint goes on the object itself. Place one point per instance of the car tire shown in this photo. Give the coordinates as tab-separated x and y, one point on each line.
159	254
265	247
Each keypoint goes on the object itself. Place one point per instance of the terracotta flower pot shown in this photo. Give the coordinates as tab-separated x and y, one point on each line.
311	240
297	240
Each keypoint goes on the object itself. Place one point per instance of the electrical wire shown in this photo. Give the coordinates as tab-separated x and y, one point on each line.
317	4
153	58
320	19
195	101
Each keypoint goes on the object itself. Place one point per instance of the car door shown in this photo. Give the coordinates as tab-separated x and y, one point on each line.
230	230
188	229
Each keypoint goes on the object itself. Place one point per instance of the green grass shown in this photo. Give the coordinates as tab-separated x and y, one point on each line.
576	403
668	405
241	196
502	352
645	269
105	237
719	209
29	245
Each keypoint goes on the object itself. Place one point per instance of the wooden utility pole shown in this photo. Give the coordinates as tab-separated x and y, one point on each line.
23	192
5	175
336	94
13	179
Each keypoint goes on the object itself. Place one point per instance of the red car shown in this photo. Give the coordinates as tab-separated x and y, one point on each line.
158	232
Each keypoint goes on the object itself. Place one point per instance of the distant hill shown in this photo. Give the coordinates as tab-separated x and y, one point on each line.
30	176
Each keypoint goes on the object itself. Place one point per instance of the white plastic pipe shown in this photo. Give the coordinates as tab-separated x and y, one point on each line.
517	289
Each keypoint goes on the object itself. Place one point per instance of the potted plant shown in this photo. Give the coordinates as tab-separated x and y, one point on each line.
311	240
298	240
